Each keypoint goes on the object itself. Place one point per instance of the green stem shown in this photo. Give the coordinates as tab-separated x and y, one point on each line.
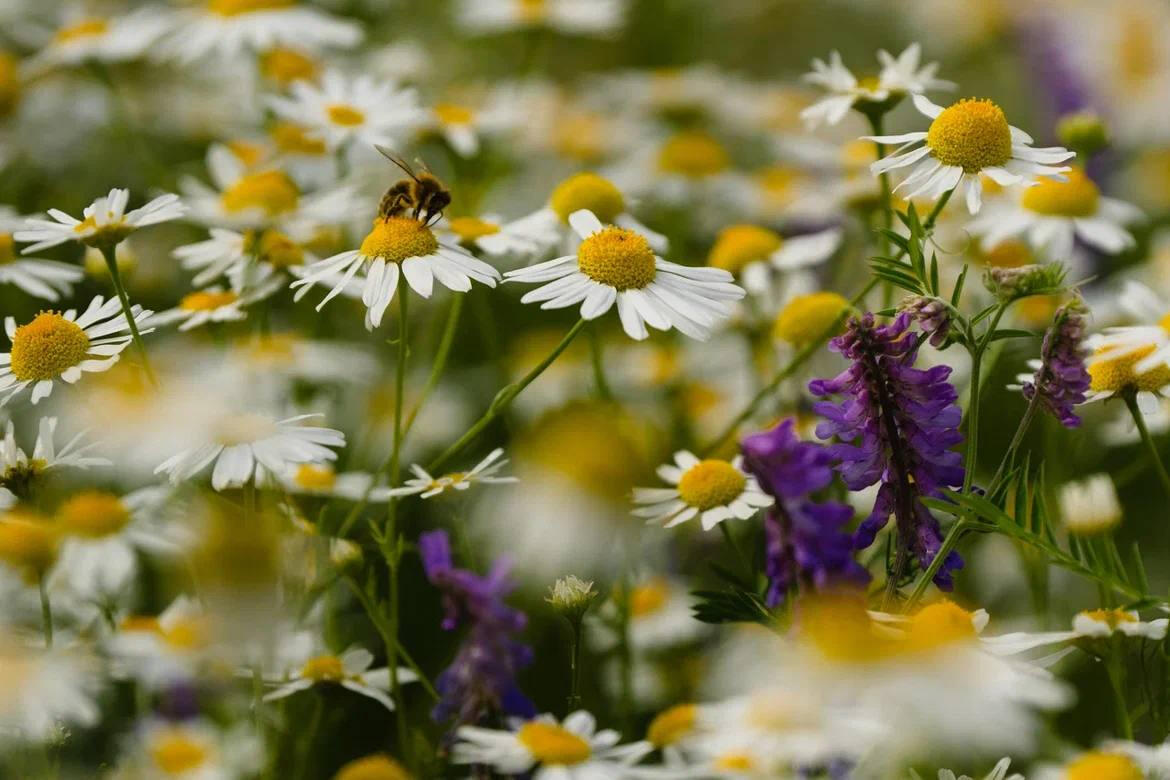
601	385
901	559
46	613
625	654
392	547
574	702
109	252
1017	439
1115	670
306	738
379	624
1130	397
504	398
739	556
949	542
973	404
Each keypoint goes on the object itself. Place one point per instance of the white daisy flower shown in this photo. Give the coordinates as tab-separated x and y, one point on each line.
230	28
46	690
752	253
398	244
191	749
616	265
998	772
247	447
227	253
288	356
162	649
570	750
41	278
215	304
1110	762
104	222
713	490
1088	624
82	39
358	112
424	485
572	17
523	239
899	76
661	616
17	468
1089	506
1052	214
63	346
964	142
318	479
1129	357
351	670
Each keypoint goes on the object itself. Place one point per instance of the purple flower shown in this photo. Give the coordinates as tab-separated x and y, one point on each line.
896	425
1061	379
805	544
482	677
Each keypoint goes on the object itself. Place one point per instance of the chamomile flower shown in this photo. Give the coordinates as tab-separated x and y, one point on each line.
395	245
1129	358
351	113
998	772
424	485
660	616
227	252
1103	764
162	649
63	346
966	141
1089	506
571	17
1053	214
617	265
752	253
46	690
713	490
1086	625
18	469
40	278
570	750
216	305
900	76
82	39
351	670
316	479
230	28
247	447
104	222
192	749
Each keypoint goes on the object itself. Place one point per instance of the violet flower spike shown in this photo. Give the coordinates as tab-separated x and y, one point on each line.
897	425
1061	379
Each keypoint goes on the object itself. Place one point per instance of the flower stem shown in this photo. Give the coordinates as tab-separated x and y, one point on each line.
973	403
1115	669
109	252
948	544
1017	439
1130	397
574	702
601	385
46	613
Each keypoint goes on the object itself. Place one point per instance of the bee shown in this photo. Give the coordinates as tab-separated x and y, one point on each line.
423	195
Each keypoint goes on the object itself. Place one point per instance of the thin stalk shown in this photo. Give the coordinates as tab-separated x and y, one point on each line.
1017	439
601	384
1130	397
949	542
392	547
739	556
109	253
574	702
306	738
887	206
973	404
625	653
901	558
1115	670
46	613
379	624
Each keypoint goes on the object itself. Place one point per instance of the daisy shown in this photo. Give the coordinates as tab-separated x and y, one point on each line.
98	39
351	670
227	252
526	238
160	650
192	749
46	279
570	750
900	76
1129	358
63	346
104	222
215	304
714	490
751	252
360	112
964	142
998	772
1089	506
230	28
1108	763
571	17
18	470
661	616
253	447
398	244
1053	214
424	485
617	265
1088	625
316	479
45	690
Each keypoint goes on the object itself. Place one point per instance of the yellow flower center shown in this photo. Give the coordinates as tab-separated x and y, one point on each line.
284	66
190	633
738	245
590	192
532	10
939	624
291	138
207	300
323	668
618	257
972	135
280	250
1009	254
649	597
1110	617
243	429
693	154
273	192
86	28
7	248
249	153
313	477
9	83
1103	766
94	514
395	239
778	183
672	725
551	744
346	116
1114	374
580	137
711	483
453	114
28	543
236	7
470	228
372	768
1077	197
46	347
808	316
175	752
840	629
732	762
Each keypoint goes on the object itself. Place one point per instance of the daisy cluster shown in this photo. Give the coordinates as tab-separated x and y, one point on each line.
584	389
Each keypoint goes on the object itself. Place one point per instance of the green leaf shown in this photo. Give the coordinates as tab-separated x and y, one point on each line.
736	606
958	292
1013	333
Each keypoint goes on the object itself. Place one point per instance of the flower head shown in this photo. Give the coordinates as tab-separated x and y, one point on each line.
104	223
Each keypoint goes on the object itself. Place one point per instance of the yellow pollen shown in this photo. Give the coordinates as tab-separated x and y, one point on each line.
280	250
580	137
249	153
273	192
590	192
28	543
618	257
7	249
939	624
236	7
531	11
207	300
734	761
141	623
711	483
693	154
839	627
86	28
323	668
453	114
738	245
291	138
1008	254
553	745
46	347
314	477
1076	197
395	239
649	597
1103	766
808	316
372	768
1119	372
284	66
346	116
174	752
778	183
9	83
971	134
243	429
94	514
190	633
470	228
1110	617
672	725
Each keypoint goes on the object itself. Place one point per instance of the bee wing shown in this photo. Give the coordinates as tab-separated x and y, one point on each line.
392	157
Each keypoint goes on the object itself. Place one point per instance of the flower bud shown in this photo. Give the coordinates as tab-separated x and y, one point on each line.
1084	132
1010	284
571	596
931	314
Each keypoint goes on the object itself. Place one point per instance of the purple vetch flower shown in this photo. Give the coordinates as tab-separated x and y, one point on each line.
896	425
931	314
1061	380
805	545
482	677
